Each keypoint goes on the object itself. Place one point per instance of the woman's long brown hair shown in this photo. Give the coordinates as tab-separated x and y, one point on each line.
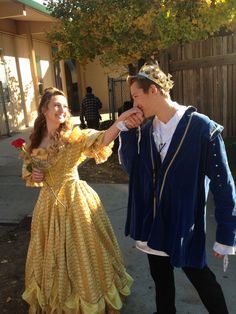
40	126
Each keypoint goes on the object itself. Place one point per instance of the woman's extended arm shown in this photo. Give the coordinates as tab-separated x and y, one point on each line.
113	131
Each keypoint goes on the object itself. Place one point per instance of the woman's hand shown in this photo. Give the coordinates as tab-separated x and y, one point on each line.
111	133
132	117
126	114
134	121
37	175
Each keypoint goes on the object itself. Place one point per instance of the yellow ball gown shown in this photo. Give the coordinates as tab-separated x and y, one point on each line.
74	264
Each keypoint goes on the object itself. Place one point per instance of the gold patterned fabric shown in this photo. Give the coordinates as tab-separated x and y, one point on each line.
74	264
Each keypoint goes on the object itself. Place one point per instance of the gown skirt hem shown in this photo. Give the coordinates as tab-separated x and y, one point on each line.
109	303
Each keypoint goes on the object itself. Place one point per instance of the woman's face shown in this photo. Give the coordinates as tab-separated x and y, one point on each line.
57	110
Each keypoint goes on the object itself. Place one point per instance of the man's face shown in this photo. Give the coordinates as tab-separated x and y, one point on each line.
142	100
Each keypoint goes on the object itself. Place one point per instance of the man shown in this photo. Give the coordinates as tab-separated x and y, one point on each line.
90	110
171	161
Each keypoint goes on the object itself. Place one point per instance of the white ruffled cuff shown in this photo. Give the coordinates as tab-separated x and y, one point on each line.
121	126
224	249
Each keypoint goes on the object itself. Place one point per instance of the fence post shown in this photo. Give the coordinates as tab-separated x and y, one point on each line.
111	99
164	61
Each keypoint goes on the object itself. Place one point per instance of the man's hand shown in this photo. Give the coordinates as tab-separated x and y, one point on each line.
37	175
217	255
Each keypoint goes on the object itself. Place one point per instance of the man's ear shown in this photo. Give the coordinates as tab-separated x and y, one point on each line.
153	89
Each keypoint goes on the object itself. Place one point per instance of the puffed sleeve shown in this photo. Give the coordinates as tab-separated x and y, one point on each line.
222	187
89	142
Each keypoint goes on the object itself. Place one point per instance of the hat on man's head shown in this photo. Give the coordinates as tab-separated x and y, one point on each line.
155	74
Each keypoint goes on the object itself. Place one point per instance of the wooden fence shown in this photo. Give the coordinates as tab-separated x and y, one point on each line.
205	77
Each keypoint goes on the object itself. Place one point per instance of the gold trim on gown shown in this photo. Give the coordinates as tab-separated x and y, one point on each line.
74	264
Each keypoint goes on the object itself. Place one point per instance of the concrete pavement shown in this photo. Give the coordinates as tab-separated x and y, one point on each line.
16	201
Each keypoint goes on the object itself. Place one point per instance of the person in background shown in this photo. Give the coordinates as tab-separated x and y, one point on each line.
74	264
90	107
172	160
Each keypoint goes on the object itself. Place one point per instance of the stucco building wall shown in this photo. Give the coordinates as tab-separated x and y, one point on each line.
21	105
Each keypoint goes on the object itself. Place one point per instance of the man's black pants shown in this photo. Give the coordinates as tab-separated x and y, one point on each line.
203	280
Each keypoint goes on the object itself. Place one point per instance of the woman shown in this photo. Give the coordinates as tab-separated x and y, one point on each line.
74	264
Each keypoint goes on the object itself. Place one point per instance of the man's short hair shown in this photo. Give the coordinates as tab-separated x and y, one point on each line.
142	82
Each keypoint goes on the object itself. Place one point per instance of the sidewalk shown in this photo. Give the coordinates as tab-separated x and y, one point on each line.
16	201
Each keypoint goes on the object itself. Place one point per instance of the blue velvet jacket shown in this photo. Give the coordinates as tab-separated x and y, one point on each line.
167	201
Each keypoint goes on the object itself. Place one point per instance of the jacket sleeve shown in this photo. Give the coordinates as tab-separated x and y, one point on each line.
128	149
222	187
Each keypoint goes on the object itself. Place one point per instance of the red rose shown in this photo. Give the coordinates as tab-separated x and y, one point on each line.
18	143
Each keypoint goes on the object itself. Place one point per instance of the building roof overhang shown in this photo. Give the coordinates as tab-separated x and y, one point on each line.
27	16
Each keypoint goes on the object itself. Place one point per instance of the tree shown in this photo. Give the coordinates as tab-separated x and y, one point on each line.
124	31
